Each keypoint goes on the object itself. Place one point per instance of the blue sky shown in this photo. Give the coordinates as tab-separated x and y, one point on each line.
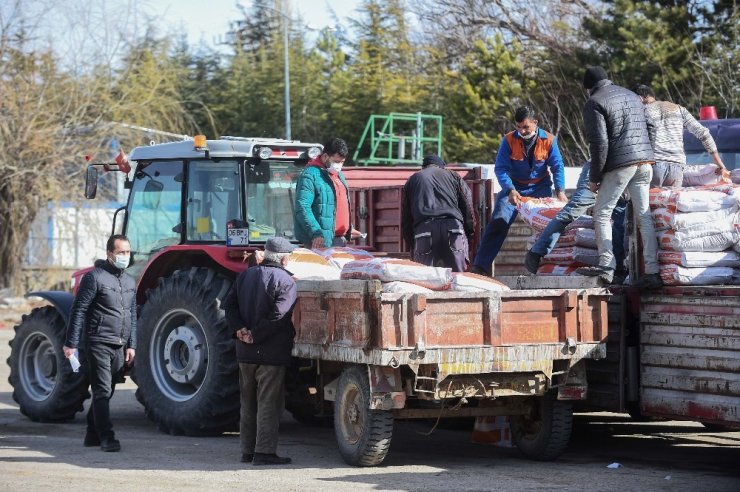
207	20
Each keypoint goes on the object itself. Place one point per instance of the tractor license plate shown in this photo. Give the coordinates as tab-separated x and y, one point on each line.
237	237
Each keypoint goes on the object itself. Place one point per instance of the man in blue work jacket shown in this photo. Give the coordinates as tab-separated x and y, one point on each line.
527	163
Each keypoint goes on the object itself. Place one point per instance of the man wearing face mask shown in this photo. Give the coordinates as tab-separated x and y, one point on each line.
528	162
103	324
322	206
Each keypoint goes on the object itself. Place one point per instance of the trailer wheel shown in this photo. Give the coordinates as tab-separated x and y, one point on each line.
544	434
186	367
44	385
363	435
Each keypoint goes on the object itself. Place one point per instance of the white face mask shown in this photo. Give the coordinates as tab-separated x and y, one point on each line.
121	261
335	167
528	136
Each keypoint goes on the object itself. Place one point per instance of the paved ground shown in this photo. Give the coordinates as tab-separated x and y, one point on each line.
653	456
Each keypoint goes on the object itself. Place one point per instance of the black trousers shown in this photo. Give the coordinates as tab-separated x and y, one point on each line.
441	242
262	401
104	369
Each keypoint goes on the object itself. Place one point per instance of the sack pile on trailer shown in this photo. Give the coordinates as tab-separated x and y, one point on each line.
397	275
698	231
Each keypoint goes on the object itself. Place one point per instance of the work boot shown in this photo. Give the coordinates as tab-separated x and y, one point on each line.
532	261
649	281
247	457
110	445
606	275
269	459
91	439
479	271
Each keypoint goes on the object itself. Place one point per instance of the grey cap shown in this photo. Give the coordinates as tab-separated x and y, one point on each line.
279	245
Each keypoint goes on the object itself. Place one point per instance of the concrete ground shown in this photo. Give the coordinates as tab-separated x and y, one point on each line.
652	456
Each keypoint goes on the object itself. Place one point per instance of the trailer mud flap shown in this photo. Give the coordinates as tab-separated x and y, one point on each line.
385	388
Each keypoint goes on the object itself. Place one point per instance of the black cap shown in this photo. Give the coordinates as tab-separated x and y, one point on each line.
432	159
279	245
592	76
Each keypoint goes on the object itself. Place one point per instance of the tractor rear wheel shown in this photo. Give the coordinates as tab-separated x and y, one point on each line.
44	385
186	367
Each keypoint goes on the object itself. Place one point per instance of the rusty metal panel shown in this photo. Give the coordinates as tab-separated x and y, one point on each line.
690	354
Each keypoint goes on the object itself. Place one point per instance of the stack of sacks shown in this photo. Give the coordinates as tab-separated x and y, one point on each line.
400	275
340	256
697	229
305	264
576	247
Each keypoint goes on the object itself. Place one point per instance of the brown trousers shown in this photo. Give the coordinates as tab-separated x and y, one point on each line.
262	390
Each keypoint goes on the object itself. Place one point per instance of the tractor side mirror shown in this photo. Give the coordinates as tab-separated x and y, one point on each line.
91	182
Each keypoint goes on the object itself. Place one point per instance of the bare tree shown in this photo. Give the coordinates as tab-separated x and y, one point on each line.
52	113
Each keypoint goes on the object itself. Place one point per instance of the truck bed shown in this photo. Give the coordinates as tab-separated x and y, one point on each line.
461	332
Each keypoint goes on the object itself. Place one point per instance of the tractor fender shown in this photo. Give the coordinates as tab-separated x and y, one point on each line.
62	301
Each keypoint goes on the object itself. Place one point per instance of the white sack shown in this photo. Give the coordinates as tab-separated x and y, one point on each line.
405	288
677	275
394	269
699	259
572	255
470	282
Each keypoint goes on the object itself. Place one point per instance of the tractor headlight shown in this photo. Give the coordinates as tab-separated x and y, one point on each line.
264	152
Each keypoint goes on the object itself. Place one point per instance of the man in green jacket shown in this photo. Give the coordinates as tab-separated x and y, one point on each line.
322	206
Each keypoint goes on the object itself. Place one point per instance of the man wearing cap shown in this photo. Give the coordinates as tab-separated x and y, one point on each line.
527	163
322	206
259	311
621	159
437	216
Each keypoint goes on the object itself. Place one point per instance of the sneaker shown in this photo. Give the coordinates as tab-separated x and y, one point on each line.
247	457
606	275
532	261
269	459
110	445
650	281
479	271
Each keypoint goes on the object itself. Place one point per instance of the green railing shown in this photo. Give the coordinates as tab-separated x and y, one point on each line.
399	138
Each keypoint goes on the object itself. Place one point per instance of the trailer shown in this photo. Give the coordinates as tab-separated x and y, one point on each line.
384	356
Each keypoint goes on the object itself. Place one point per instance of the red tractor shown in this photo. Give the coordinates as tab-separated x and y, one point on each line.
194	209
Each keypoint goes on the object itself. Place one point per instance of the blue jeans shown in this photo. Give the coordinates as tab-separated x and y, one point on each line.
667	174
581	200
504	214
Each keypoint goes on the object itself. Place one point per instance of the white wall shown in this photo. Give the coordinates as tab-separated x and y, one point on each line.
67	235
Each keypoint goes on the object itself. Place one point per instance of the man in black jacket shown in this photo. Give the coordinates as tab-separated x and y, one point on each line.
259	311
104	316
621	159
437	216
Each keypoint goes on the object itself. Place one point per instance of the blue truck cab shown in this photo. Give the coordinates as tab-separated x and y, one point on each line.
726	134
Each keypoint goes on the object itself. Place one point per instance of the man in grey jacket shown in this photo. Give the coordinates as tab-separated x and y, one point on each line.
621	159
666	122
103	323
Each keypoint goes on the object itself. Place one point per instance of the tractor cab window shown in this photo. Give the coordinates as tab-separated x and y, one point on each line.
213	199
270	198
153	219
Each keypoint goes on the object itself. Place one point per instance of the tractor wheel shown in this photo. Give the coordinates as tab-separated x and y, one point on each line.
186	368
43	382
543	434
363	435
